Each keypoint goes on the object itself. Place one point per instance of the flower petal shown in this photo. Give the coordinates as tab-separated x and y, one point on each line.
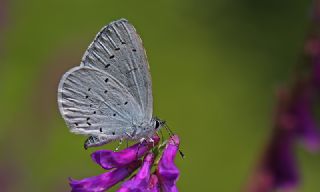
167	171
154	183
141	181
109	159
277	169
280	160
104	181
301	110
307	127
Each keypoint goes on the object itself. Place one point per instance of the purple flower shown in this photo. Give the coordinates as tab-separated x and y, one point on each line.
277	169
279	162
305	123
295	120
167	171
154	185
104	181
109	159
295	113
140	182
123	163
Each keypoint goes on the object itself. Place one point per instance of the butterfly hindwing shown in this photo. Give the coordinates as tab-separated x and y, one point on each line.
94	103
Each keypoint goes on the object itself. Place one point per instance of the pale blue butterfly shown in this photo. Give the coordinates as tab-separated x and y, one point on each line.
109	96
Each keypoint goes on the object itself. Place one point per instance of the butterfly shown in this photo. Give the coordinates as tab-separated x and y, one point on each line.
109	96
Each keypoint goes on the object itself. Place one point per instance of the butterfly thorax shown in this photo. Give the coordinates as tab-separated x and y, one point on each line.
146	130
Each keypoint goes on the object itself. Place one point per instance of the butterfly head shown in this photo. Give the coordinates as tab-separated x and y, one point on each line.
158	124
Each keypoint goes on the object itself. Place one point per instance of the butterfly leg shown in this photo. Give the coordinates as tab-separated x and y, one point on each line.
120	142
142	140
129	136
151	141
140	143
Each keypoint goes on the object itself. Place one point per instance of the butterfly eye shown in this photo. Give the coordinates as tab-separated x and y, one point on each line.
157	124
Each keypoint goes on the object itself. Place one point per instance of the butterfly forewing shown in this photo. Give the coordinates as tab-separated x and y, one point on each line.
118	51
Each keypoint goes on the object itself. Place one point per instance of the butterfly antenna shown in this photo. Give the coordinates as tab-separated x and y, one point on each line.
171	134
162	138
169	130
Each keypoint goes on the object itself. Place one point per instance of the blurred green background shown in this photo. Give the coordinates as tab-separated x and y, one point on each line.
215	66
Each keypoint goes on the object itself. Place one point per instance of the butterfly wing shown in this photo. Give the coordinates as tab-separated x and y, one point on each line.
93	102
111	89
118	51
